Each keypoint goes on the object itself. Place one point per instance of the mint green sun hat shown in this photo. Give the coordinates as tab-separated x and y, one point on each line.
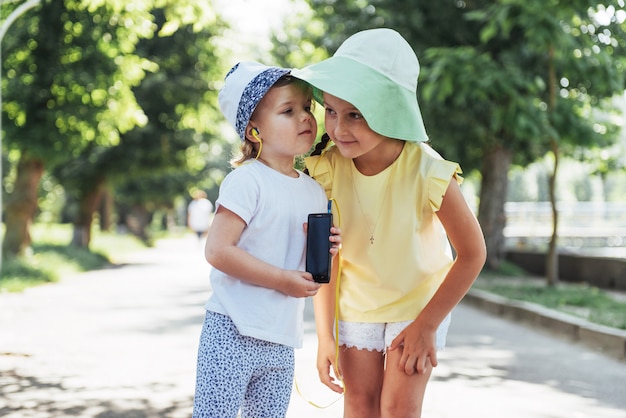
375	70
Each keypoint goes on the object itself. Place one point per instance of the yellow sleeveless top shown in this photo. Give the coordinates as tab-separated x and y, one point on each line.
395	250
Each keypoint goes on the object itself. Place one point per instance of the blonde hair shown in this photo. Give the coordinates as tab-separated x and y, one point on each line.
248	149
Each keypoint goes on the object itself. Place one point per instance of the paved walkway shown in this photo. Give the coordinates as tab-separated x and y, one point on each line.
121	343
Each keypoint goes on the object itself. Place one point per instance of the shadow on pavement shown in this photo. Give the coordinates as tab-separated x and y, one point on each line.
34	397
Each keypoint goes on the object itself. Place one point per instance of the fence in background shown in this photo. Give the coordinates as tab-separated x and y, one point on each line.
590	226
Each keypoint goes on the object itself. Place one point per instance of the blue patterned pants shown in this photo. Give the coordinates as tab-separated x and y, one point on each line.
237	372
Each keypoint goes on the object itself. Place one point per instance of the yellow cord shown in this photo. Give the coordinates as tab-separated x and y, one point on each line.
338	278
311	402
339	261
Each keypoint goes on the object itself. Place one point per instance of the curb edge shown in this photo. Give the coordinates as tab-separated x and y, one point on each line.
609	341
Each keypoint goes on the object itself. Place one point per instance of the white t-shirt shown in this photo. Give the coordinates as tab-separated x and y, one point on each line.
274	207
199	212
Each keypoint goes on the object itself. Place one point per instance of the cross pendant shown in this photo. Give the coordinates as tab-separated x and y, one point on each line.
372	239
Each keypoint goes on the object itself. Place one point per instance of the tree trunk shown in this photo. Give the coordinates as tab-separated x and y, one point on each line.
552	258
21	206
106	210
89	203
137	222
493	192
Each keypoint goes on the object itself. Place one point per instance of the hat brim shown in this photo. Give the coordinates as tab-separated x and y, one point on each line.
389	109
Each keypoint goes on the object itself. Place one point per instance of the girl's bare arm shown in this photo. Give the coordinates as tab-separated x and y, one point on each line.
222	253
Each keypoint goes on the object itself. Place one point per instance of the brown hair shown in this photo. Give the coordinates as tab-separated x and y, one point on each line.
248	149
319	147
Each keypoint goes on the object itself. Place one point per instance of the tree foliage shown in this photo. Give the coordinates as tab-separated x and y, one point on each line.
69	73
67	68
102	92
500	80
151	164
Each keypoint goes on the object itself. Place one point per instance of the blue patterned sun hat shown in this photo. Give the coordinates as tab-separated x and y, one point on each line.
244	87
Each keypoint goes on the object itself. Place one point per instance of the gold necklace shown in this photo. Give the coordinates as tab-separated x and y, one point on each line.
382	205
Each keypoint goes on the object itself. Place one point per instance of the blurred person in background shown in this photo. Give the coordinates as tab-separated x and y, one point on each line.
199	213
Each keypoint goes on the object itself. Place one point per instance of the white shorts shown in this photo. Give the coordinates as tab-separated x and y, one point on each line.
378	336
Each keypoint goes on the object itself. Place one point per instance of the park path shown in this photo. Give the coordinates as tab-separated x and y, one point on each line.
121	343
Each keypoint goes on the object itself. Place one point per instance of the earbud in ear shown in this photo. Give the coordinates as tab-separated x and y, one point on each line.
255	134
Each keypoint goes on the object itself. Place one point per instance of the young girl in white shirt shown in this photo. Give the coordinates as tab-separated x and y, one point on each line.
256	246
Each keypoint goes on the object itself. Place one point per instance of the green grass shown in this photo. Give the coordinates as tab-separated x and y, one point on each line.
578	299
51	257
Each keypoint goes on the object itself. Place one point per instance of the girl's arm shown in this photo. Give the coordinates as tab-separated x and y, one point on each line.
324	307
222	253
467	239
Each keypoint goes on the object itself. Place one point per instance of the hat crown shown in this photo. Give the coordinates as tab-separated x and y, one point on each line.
244	87
370	68
394	56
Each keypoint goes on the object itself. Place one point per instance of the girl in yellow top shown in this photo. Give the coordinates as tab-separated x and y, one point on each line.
401	208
